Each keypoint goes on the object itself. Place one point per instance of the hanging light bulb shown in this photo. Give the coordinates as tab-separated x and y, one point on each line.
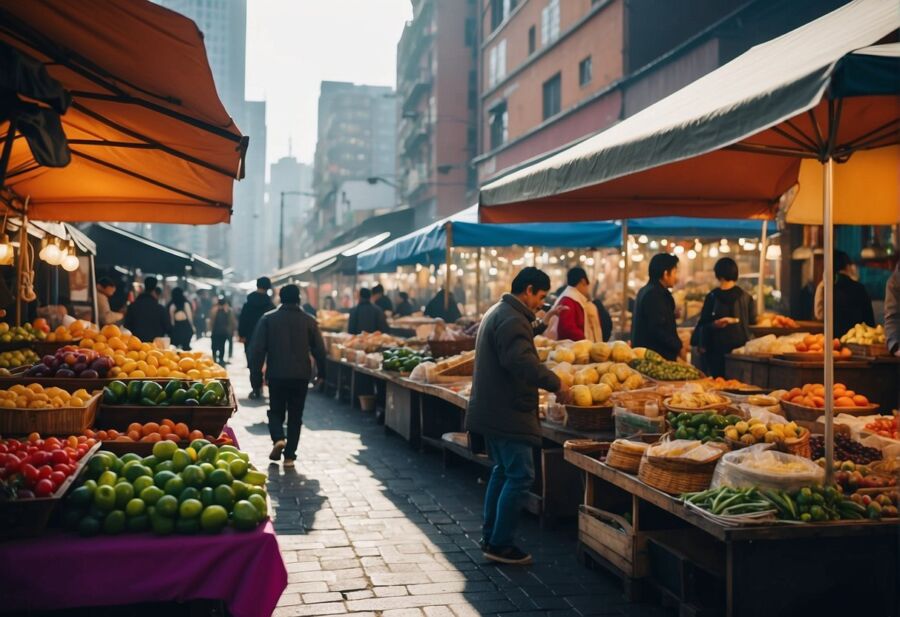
70	262
6	249
713	251
52	253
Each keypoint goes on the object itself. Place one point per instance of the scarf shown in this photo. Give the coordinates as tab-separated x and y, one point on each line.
592	330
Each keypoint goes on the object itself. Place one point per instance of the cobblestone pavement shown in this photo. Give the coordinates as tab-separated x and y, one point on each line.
369	526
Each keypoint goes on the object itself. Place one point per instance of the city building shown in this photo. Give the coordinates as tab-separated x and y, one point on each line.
554	72
247	232
356	141
437	88
289	176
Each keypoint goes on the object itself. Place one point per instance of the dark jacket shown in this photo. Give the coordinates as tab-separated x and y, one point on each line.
508	373
366	317
653	321
257	305
385	304
606	323
734	302
852	305
435	308
147	319
283	340
404	309
892	311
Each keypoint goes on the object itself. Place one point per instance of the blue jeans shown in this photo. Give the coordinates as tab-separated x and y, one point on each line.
511	478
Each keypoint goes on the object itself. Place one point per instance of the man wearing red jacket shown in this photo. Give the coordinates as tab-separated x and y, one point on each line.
582	319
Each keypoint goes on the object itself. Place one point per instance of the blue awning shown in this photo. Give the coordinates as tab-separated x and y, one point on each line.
428	245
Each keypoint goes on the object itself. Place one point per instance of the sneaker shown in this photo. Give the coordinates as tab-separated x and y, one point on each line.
288	462
277	448
255	395
483	544
508	554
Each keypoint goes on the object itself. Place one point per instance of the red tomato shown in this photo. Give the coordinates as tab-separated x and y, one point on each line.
4	448
52	442
43	488
72	441
34	437
44	471
40	458
59	456
63	467
57	477
12	464
30	472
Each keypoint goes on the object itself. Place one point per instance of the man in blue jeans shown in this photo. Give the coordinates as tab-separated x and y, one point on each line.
503	407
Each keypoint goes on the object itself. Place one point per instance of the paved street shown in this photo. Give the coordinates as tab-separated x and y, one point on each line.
369	526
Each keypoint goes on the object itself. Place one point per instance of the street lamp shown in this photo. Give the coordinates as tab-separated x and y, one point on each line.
281	224
377	179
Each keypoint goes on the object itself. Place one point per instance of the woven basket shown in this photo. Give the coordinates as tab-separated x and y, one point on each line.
871	351
676	476
62	421
586	446
623	459
443	349
798	447
802	413
719	407
591	419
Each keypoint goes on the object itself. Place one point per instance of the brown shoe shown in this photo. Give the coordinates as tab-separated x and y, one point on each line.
277	449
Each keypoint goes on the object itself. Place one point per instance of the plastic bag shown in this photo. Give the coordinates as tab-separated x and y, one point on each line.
422	371
762	467
628	423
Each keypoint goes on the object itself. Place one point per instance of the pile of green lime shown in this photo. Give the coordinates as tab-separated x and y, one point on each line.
403	359
199	489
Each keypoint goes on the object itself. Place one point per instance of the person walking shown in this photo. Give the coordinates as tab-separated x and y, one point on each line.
283	340
222	325
653	320
503	408
725	319
105	315
258	304
181	315
365	316
380	300
852	304
582	319
146	318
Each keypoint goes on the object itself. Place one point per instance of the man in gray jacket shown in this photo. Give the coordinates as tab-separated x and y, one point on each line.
503	407
892	312
284	339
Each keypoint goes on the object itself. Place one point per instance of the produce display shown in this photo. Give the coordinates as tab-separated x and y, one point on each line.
813	395
864	334
695	399
332	320
812	504
444	332
755	431
372	341
771	344
886	427
150	432
593	384
65	334
845	449
173	392
655	366
35	396
201	488
851	478
883	504
403	359
703	426
720	383
72	362
36	467
772	320
585	352
687	449
18	334
17	358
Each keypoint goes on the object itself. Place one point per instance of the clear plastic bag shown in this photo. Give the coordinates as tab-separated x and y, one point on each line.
762	467
628	423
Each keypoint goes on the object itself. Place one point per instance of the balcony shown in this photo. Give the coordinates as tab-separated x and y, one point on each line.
413	134
414	89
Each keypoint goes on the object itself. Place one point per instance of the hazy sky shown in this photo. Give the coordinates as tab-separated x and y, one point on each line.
293	45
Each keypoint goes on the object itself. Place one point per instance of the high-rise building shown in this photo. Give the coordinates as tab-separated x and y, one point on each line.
554	72
247	234
437	88
289	176
223	24
356	141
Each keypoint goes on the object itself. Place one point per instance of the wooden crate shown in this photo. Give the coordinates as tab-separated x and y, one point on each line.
63	421
209	420
623	548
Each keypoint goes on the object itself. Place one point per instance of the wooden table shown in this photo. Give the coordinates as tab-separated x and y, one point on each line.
772	570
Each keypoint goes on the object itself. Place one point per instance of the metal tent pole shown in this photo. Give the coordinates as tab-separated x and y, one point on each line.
828	277
623	317
763	248
448	280
478	282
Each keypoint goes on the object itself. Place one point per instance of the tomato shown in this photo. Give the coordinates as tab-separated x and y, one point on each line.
43	488
51	442
12	464
4	448
30	473
57	477
63	467
40	458
34	437
44	471
59	456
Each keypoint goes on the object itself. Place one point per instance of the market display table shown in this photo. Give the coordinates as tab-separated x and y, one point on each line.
57	571
773	570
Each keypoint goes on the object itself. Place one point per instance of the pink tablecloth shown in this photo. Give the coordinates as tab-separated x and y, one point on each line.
57	571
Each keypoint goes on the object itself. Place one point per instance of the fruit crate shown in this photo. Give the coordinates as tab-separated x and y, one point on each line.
49	421
23	518
209	420
614	539
876	350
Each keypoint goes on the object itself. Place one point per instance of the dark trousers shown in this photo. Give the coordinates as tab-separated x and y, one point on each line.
218	348
256	381
287	396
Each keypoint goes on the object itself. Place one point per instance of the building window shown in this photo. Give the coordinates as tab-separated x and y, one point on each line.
585	72
500	10
552	96
470	32
499	119
550	22
532	40
497	63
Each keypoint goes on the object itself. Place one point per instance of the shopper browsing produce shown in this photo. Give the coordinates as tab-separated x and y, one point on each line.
366	316
852	304
582	319
503	407
653	322
725	319
147	319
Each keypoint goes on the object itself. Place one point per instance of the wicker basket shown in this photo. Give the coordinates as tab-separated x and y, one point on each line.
718	407
798	447
870	351
623	458
676	476
802	413
443	349
587	446
50	421
590	419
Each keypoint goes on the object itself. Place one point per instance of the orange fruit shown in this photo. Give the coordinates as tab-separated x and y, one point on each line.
860	400
164	430
135	435
195	434
150	427
182	430
186	364
112	433
818	401
110	331
844	401
102	435
167	422
135	426
172	437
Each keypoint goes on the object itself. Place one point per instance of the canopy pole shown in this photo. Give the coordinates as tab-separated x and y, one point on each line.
7	147
478	282
623	317
763	249
828	277
448	278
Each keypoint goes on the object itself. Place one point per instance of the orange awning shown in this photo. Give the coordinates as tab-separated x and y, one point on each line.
149	137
